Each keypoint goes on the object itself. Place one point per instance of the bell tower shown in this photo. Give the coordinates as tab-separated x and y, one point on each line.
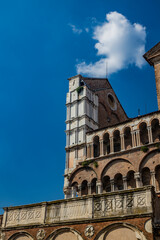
82	116
153	58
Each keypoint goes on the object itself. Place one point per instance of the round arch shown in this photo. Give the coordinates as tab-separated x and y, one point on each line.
119	167
21	236
65	233
120	231
89	174
150	160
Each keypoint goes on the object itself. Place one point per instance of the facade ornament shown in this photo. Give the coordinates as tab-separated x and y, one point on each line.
40	234
89	231
2	236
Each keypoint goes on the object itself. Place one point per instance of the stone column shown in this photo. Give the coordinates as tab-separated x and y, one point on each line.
112	185
153	179
122	142
125	183
88	151
99	187
67	192
138	138
79	190
73	192
92	150
111	145
101	148
137	177
150	138
133	133
89	189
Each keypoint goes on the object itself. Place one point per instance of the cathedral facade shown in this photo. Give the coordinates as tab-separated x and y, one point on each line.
112	171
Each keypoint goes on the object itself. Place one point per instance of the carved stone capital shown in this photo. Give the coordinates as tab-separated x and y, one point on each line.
89	231
40	234
2	236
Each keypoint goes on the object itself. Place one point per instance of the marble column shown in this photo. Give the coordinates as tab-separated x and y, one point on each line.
92	150
133	133
79	190
111	145
138	138
125	183
122	142
150	137
73	192
153	179
89	189
99	187
101	148
137	177
88	151
112	185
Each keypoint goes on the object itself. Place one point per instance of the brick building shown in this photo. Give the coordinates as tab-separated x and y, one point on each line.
112	173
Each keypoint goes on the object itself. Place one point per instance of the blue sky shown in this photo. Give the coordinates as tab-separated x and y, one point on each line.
41	43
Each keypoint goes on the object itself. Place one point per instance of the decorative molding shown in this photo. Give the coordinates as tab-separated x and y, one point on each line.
40	234
89	231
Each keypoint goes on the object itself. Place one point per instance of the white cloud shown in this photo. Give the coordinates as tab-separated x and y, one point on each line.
75	29
87	30
119	43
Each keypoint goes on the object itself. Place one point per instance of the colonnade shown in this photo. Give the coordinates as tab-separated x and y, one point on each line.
119	182
117	141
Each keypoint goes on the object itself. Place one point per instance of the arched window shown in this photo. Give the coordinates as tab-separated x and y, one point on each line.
93	185
117	141
146	176
155	130
157	176
106	144
118	182
127	138
84	188
96	146
106	184
143	133
131	182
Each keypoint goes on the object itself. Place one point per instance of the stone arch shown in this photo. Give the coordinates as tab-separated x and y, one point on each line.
157	177
65	234
127	137
142	121
106	143
150	160
156	117
144	138
83	173
115	166
146	176
118	182
106	184
21	236
84	188
96	146
131	182
120	231
93	186
117	140
155	129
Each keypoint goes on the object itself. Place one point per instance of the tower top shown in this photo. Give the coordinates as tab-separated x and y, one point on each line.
153	55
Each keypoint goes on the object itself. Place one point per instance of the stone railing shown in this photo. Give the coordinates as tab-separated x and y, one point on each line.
116	204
